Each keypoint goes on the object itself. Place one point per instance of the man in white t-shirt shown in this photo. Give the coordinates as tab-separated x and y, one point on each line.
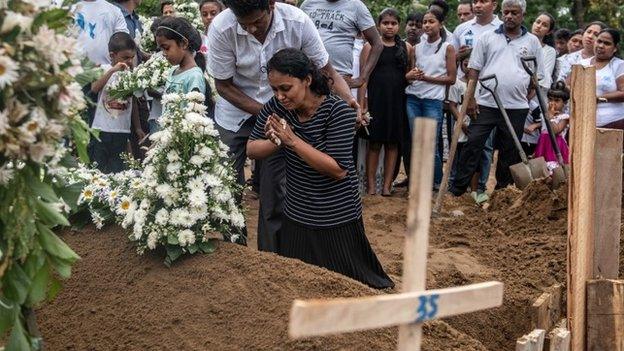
338	23
499	53
242	40
96	22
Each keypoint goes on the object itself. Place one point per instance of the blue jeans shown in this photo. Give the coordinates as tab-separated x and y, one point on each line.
486	162
427	108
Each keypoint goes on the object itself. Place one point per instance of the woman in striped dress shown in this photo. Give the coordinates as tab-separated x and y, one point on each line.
323	212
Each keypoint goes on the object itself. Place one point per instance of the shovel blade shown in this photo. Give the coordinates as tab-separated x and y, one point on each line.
524	173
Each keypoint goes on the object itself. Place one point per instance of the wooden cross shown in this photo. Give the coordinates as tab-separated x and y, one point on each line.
415	305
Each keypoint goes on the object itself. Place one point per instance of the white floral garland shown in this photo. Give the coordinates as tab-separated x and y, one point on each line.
184	196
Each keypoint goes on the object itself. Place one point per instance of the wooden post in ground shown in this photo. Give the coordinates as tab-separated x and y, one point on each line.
608	170
605	315
534	341
581	199
415	305
546	310
560	340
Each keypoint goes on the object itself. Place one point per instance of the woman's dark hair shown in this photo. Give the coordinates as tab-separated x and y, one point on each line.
401	54
600	24
442	5
218	2
563	34
242	8
155	24
577	32
180	29
615	36
165	3
121	41
440	17
559	90
415	17
295	63
549	39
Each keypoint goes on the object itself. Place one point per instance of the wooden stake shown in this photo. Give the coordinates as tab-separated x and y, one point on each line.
560	340
608	210
418	219
581	198
470	90
605	315
321	317
533	341
546	310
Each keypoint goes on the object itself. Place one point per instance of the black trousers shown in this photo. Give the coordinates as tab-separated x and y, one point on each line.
478	132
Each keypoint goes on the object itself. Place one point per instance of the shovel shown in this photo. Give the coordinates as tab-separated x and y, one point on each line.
528	170
560	174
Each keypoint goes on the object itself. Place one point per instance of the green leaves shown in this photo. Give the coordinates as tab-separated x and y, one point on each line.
54	19
54	246
173	253
16	284
49	214
18	340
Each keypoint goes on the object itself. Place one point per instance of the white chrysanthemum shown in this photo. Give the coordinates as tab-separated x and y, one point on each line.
6	174
173	156
212	180
180	217
4	122
197	160
186	237
152	240
238	219
162	216
195	184
8	70
197	198
14	19
206	152
174	168
126	205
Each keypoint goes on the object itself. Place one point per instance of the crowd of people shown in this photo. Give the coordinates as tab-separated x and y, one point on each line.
300	88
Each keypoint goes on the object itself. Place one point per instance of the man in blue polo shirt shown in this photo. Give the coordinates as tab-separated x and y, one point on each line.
499	52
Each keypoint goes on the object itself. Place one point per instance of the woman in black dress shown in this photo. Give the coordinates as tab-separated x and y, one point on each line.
323	212
386	100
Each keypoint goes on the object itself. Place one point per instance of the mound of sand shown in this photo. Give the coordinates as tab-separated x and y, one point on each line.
234	299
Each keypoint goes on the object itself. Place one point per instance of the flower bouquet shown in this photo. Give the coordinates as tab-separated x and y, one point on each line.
40	105
151	74
147	42
189	9
188	192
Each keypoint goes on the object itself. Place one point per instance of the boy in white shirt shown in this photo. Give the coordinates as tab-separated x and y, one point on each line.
113	118
96	22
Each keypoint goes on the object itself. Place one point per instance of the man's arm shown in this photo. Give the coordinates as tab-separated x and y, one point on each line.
236	97
340	87
373	38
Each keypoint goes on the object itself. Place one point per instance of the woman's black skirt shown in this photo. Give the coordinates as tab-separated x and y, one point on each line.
343	249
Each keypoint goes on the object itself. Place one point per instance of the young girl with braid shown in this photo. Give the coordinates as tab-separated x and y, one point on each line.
386	100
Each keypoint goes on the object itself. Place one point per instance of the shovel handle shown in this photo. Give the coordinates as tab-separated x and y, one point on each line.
488	78
525	64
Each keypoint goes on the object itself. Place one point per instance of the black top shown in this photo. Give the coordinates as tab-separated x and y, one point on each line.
314	199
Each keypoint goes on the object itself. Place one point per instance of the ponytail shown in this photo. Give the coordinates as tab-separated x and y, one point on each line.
442	39
440	17
200	60
401	54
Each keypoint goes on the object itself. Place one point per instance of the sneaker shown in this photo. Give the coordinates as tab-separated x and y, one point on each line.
474	195
482	198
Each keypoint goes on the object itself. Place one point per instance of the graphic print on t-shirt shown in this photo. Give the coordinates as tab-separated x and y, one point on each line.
80	21
329	19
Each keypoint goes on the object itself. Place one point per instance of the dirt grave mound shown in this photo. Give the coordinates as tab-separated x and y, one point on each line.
234	299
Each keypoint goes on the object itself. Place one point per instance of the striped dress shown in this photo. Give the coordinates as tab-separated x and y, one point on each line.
323	224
